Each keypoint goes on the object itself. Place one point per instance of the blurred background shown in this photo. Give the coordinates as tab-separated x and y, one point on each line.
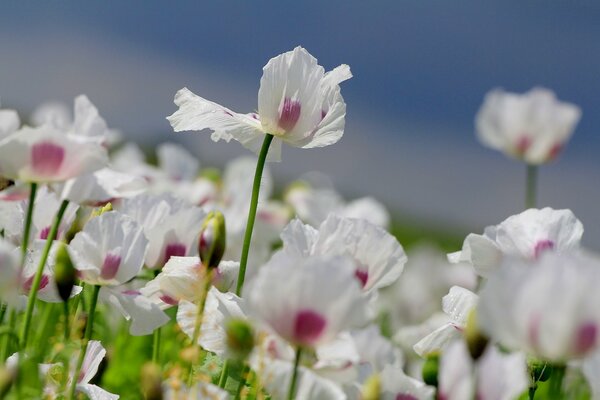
421	69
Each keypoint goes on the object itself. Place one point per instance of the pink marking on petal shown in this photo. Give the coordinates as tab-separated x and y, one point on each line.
174	250
47	158
586	338
289	114
169	300
403	396
523	144
44	233
323	114
534	331
555	151
29	283
131	292
542	246
110	267
308	326
362	275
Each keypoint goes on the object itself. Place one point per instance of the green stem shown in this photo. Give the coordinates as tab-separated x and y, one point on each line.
532	390
2	312
27	227
244	377
224	374
66	326
42	324
156	346
12	319
260	165
556	382
531	186
38	274
88	335
294	382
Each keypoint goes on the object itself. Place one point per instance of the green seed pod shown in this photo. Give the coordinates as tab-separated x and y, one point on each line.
371	390
213	239
476	340
539	370
240	338
431	368
65	274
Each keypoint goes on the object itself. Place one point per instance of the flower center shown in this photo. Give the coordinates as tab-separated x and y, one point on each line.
110	267
289	114
47	158
308	326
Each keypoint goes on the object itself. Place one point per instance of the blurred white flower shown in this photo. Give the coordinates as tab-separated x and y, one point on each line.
526	235
378	257
110	251
9	122
457	304
298	103
307	301
46	155
495	376
171	226
174	389
548	309
533	127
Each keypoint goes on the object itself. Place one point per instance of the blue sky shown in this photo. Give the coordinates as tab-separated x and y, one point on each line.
421	69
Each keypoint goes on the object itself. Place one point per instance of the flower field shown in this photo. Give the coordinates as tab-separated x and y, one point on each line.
121	278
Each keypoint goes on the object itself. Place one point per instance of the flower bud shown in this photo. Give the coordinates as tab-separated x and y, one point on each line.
476	341
371	390
240	338
431	369
65	274
212	239
539	370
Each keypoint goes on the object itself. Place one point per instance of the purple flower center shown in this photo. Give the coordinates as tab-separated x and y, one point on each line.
110	267
308	326
362	275
174	250
47	158
542	246
586	337
289	115
523	144
169	300
29	283
44	233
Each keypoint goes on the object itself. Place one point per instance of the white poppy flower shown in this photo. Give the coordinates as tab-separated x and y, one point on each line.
533	127
526	235
457	304
171	226
426	278
219	308
177	162
182	278
548	309
395	385
378	257
314	203
46	155
101	187
308	301
495	376
93	357
298	103
85	120
109	250
45	208
276	374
